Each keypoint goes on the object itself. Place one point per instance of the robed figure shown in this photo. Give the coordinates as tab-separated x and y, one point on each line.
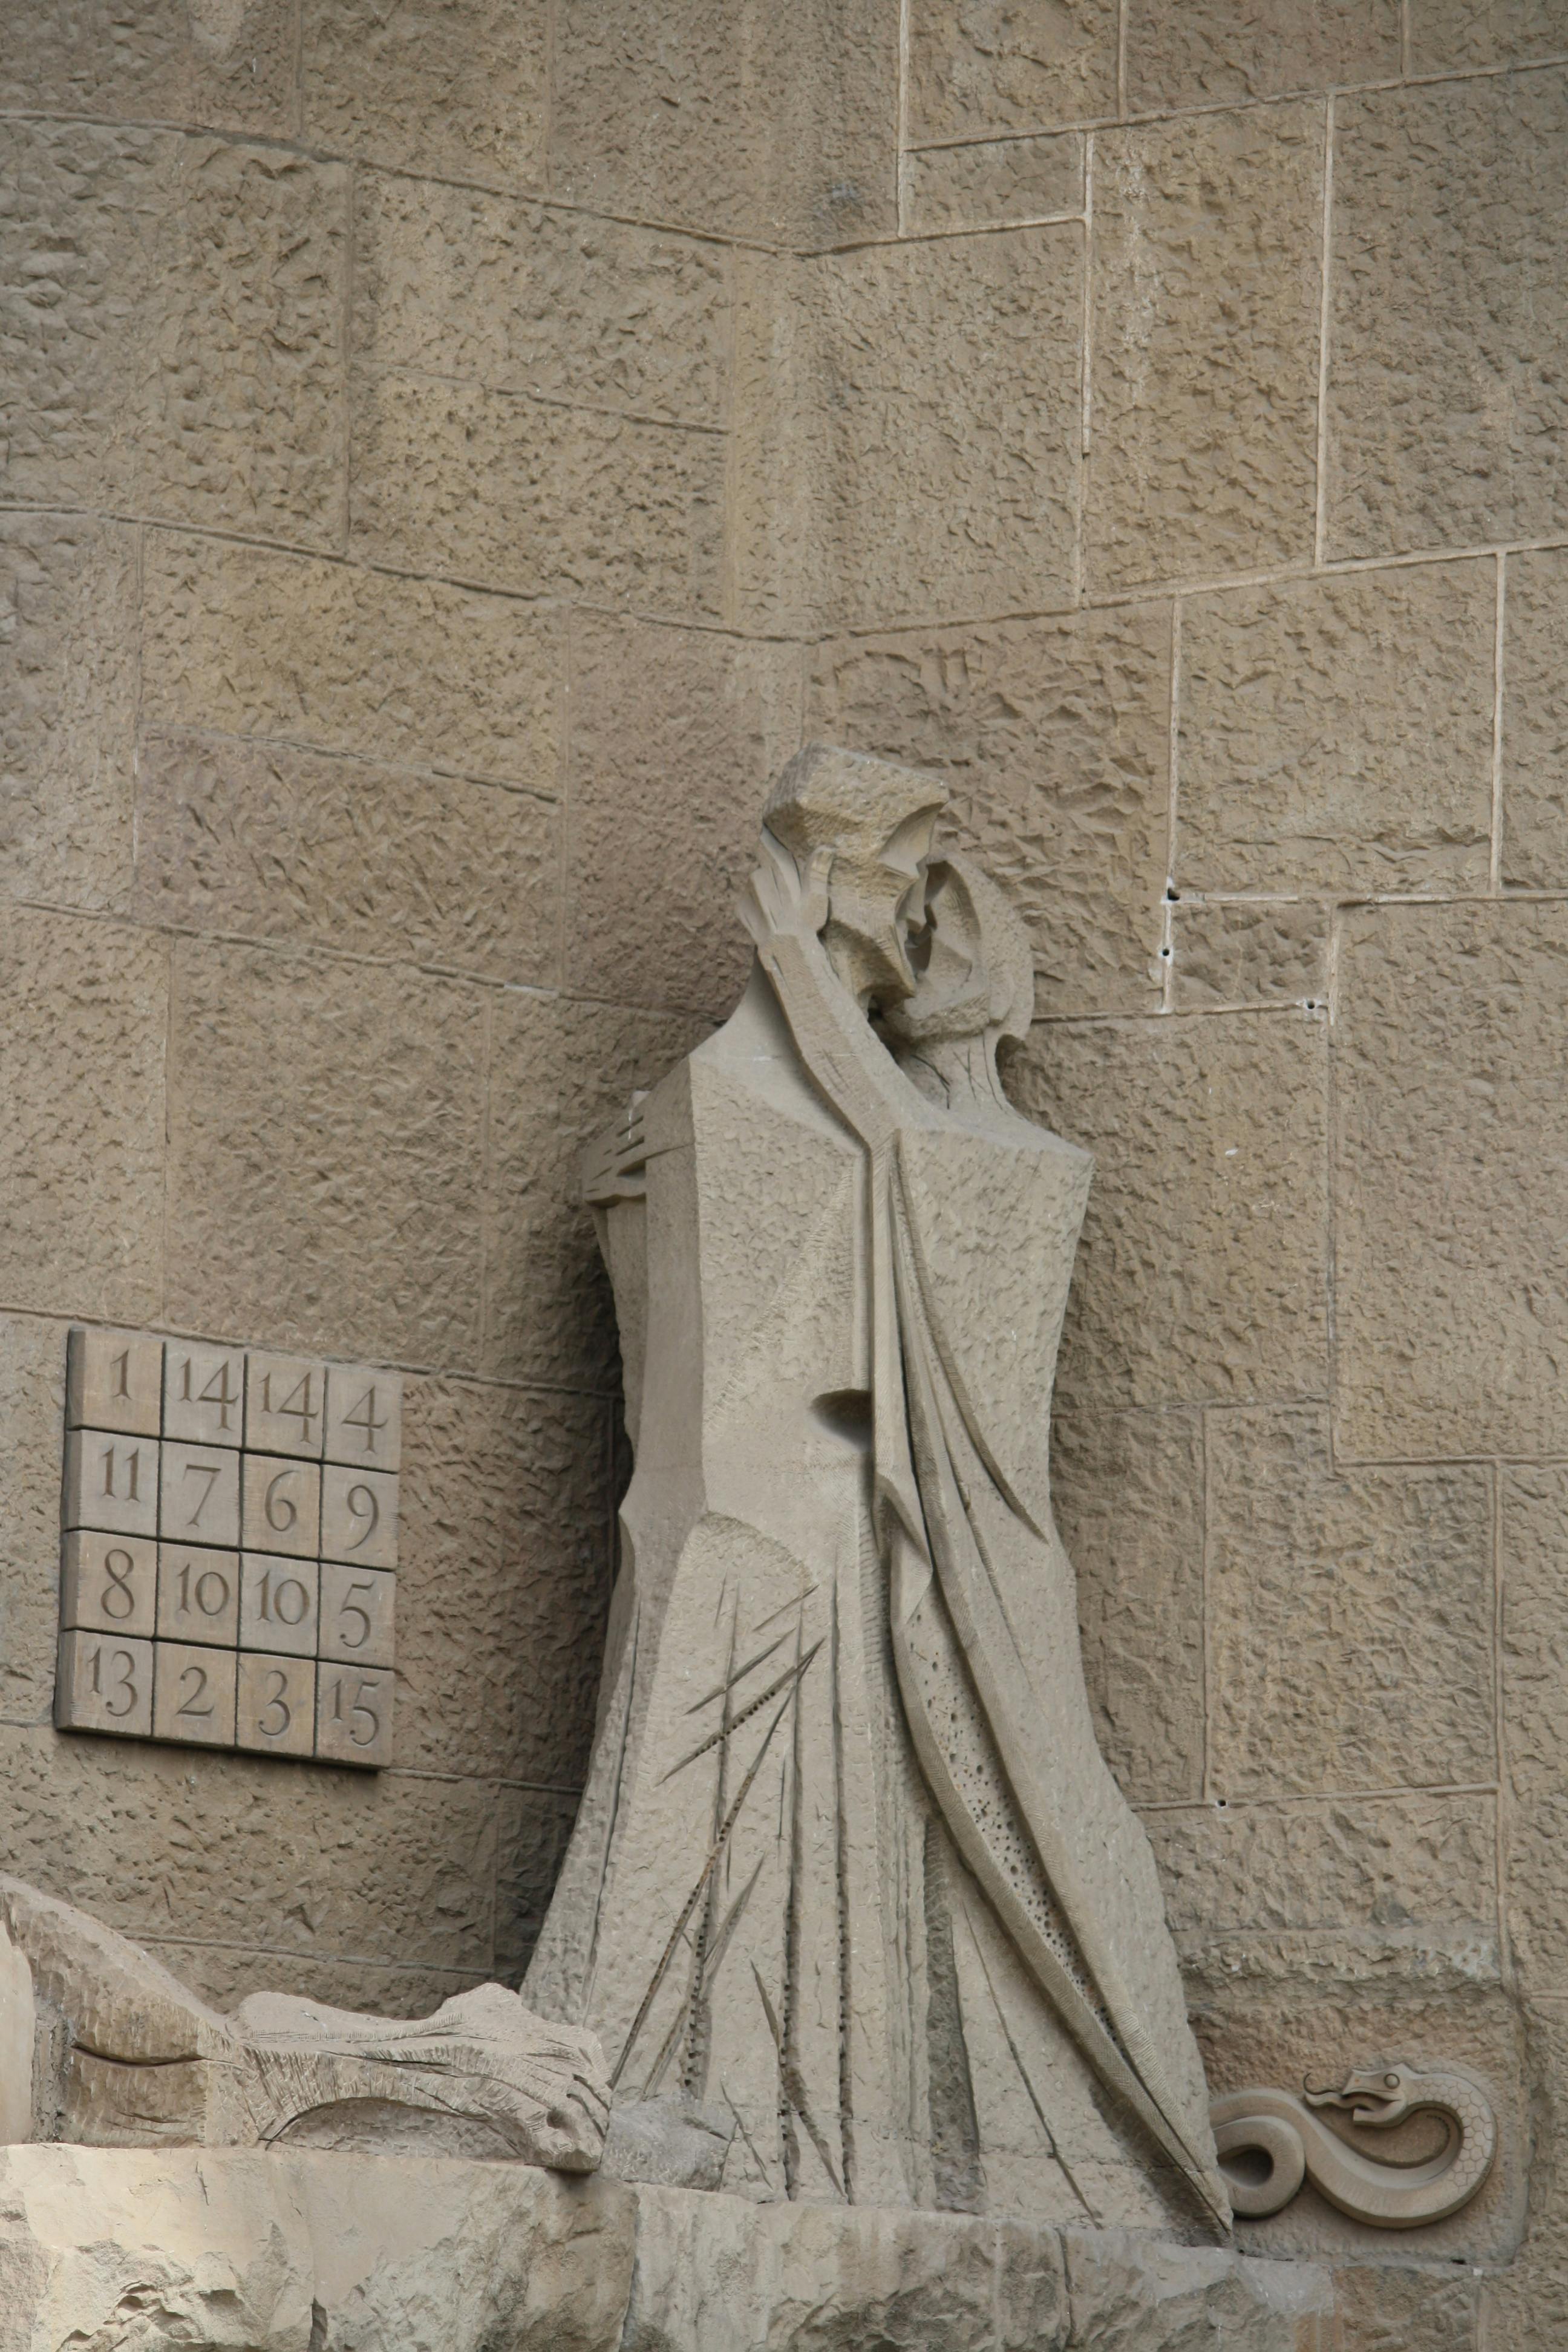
850	1875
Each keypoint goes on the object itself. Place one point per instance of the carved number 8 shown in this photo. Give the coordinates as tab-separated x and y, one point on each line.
118	1601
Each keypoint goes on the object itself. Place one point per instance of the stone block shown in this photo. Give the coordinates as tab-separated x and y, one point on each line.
1534	1537
756	122
198	1493
1129	1496
266	842
1307	1570
995	68
32	1413
1408	2308
1446	35
204	1393
1237	50
908	430
359	1515
67	707
1446	406
533	1834
248	641
1203	389
1535	722
1336	734
456	282
524	494
1346	1889
1054	738
173	332
81	1152
1128	2294
223	1976
192	1695
114	1380
230	68
559	1070
395	1867
992	182
1526	2308
505	1580
672	731
1450	1320
275	1704
1248	951
1201	1271
325	1140
450	90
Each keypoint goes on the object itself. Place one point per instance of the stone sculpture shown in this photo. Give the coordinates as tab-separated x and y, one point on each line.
1270	2142
101	2045
850	1869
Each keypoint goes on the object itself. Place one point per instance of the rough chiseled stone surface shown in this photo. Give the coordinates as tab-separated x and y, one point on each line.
671	731
1129	1496
217	2249
1449	1132
1446	407
1351	1614
979	65
254	642
1054	738
1535	722
1408	2308
69	621
456	90
993	182
1201	1271
228	63
1534	1522
1203	392
1210	50
171	333
1336	735
1248	953
329	1193
1450	33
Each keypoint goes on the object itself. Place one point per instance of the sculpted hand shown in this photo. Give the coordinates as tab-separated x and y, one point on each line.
781	900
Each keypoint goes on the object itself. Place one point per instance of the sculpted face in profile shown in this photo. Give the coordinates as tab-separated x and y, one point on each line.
852	1897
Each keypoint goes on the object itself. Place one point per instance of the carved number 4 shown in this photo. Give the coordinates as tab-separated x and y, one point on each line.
364	1417
304	1412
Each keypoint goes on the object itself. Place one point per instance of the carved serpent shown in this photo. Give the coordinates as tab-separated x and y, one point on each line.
1394	2196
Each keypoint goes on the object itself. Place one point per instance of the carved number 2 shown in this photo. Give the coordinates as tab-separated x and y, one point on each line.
188	1706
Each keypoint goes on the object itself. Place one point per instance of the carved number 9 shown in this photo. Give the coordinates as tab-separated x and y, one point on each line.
363	1504
281	1510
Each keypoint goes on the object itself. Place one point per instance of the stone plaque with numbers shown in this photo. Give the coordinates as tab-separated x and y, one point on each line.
229	1548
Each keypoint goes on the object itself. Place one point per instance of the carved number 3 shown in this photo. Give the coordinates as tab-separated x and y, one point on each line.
275	1699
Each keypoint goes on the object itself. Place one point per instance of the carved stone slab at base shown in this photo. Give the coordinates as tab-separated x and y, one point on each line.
238	2250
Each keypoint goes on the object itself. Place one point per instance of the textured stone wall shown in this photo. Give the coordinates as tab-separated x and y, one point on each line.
450	454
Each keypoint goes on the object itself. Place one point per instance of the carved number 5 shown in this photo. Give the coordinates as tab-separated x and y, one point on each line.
358	1708
349	1607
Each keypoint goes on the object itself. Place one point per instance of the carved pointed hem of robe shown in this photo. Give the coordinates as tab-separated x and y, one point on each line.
850	1867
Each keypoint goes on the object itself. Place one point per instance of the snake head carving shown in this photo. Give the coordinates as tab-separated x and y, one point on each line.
1377	2097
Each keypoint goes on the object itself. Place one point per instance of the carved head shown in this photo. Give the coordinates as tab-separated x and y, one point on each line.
875	818
974	974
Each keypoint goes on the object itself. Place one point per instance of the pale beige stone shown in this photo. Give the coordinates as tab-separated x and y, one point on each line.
285	1403
346	1866
1248	953
355	1715
105	1683
535	1824
358	1615
1446	407
454	91
1130	1501
670	730
1207	283
992	182
112	1482
988	67
364	1417
193	1695
1126	2293
108	1584
1336	735
198	1594
1450	1127
226	63
752	120
1207	50
114	1380
1305	1567
1410	2307
275	1704
559	1069
198	1495
327	1195
1534	1526
269	843
222	1975
204	1392
67	707
282	1507
1320	2138
525	495
192	263
279	1603
454	281
252	642
1053	736
81	1161
1535	850
1446	34
1201	1271
359	1515
908	430
502	1593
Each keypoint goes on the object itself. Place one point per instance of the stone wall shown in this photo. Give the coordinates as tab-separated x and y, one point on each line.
451	456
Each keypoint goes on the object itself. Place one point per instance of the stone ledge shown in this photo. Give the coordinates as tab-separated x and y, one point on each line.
143	2250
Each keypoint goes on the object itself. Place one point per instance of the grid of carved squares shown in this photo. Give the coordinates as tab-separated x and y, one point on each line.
230	1547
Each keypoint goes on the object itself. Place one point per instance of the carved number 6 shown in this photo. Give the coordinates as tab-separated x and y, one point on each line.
281	1510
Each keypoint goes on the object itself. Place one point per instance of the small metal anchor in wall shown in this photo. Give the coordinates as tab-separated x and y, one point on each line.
1270	2141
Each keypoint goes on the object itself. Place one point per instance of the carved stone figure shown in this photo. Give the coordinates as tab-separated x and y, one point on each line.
1285	2145
101	2045
850	1869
